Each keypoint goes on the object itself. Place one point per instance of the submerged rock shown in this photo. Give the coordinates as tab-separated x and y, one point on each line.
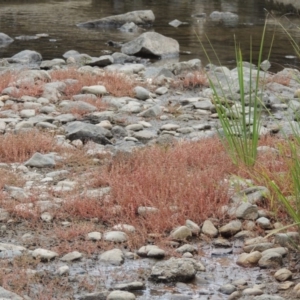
139	17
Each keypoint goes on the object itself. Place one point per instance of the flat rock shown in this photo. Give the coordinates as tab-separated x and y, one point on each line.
75	255
135	285
39	160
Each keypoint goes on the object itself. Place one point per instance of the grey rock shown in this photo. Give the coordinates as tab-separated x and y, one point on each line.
176	269
258	247
85	132
75	255
186	66
39	160
231	228
186	248
152	44
81	106
252	195
247	211
94	89
268	297
44	254
121	295
227	289
49	64
27	57
151	251
181	233
5	39
115	236
208	228
101	61
102	295
151	112
129	27
135	285
141	93
140	17
144	135
264	223
270	260
113	257
161	90
5	295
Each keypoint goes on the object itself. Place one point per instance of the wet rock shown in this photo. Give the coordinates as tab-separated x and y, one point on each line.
75	255
283	274
181	233
270	260
5	294
44	254
152	44
39	160
231	228
140	17
227	289
247	211
151	251
115	236
176	269
5	39
208	228
114	257
120	295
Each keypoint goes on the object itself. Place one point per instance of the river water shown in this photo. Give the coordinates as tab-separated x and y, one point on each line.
58	18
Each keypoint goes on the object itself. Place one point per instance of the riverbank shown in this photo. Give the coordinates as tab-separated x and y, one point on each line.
115	184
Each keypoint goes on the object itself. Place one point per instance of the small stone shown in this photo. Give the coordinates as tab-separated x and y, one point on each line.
247	211
208	228
231	228
114	257
227	289
141	93
264	223
44	254
161	90
151	251
186	248
124	227
75	255
63	270
192	226
181	233
115	236
252	292
120	295
283	274
94	236
46	217
94	89
249	259
39	160
146	210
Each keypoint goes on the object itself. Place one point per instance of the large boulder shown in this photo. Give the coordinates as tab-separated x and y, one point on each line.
139	17
151	44
5	39
26	57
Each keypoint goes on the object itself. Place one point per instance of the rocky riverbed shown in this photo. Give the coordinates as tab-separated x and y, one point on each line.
63	236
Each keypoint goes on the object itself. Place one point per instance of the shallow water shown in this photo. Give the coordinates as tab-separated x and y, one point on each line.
58	18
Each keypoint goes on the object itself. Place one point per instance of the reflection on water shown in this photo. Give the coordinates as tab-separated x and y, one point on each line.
58	18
